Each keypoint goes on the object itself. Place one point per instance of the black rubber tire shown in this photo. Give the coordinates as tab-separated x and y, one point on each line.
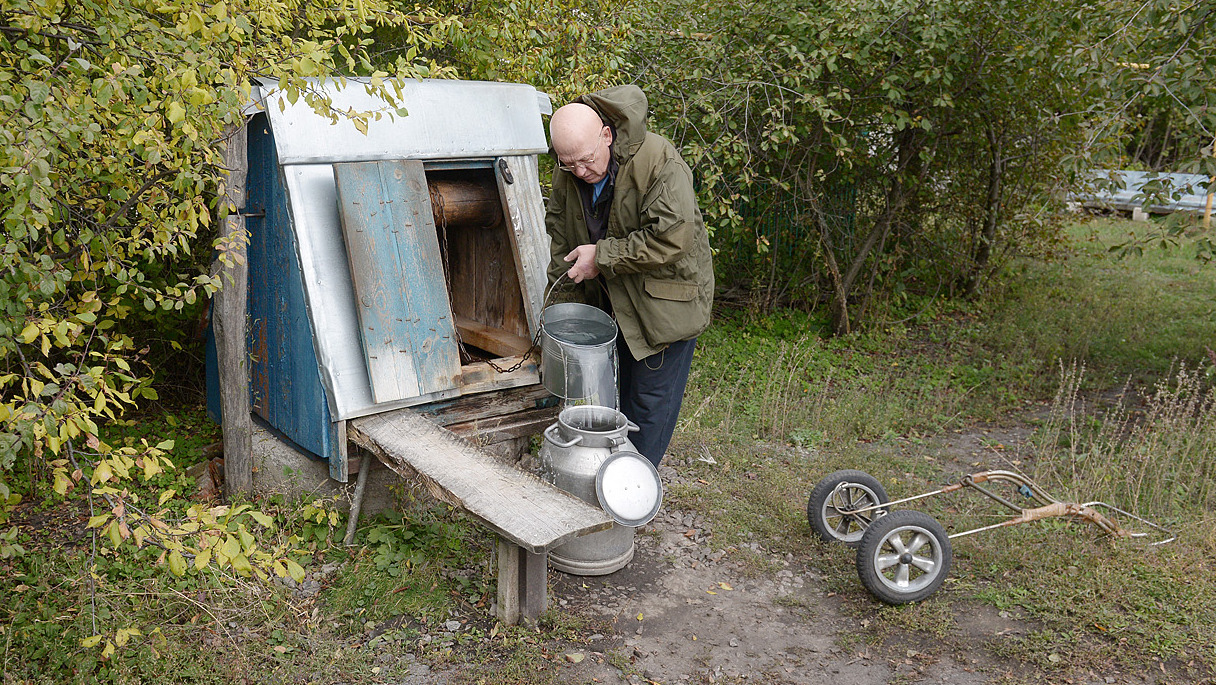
892	558
864	491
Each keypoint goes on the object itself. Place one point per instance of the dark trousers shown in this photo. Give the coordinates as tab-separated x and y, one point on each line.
651	392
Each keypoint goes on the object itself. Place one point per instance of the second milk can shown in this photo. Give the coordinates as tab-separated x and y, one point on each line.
575	448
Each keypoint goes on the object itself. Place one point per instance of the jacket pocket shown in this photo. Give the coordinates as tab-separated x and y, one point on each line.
680	291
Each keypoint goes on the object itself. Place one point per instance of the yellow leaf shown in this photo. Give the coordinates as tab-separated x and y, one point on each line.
241	564
262	519
62	483
115	533
711	592
90	641
246	540
177	564
27	336
231	547
124	635
96	521
202	559
294	570
102	473
725	586
108	651
151	467
639	615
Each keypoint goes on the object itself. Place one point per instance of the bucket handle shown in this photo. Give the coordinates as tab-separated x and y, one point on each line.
550	433
633	427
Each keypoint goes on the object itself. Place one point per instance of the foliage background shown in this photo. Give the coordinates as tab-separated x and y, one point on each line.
866	157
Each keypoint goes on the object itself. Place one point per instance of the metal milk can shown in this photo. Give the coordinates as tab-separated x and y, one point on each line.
575	448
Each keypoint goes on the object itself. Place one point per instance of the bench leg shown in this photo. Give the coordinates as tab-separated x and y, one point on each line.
522	580
365	472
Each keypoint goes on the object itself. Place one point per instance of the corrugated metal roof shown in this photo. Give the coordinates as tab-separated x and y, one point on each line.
446	120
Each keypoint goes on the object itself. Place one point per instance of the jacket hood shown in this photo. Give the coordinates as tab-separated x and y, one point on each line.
624	108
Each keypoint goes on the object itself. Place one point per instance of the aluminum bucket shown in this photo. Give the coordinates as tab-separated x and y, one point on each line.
578	354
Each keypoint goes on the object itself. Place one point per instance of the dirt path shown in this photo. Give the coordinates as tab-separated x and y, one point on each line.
685	615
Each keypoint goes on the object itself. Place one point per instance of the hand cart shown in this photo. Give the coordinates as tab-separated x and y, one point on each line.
904	556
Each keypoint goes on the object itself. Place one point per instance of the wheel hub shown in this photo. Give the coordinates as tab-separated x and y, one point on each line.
905	558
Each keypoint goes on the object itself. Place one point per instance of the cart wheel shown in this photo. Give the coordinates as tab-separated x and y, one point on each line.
904	557
834	497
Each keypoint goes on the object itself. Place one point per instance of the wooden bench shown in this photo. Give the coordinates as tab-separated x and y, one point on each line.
529	515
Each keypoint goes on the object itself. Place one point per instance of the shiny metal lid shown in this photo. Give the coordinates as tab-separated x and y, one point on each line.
629	488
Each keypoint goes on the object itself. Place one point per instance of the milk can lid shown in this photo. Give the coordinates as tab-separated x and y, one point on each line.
629	488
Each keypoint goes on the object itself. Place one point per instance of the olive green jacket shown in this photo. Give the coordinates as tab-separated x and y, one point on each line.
654	259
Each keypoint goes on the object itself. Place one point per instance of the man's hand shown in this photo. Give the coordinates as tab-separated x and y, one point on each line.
584	266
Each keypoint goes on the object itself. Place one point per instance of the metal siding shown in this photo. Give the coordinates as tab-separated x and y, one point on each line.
284	378
446	120
409	340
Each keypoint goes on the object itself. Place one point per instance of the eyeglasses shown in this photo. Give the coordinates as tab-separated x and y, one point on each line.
584	163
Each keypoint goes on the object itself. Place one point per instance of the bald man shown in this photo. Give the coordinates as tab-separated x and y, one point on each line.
626	229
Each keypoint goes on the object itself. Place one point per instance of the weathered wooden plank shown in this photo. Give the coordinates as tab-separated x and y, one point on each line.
409	337
519	187
498	428
515	504
488	404
228	323
496	341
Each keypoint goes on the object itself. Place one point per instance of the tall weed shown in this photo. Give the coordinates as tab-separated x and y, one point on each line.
1156	460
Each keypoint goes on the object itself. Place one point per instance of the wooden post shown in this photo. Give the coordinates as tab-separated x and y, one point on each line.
1207	210
228	314
356	504
522	584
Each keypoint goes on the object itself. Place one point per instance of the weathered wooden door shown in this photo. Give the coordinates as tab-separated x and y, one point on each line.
409	339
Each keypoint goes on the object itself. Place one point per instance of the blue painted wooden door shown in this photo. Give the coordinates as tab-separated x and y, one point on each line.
409	338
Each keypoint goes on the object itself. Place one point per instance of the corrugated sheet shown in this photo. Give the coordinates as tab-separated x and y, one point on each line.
1189	191
446	120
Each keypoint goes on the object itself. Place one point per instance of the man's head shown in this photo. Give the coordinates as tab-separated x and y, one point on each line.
581	141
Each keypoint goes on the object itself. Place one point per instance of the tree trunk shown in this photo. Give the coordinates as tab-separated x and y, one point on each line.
228	320
897	196
992	214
